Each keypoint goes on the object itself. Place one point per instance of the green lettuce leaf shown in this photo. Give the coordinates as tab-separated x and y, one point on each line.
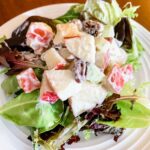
53	113
140	91
34	135
130	11
138	117
25	110
108	12
4	70
87	134
68	118
108	31
2	39
128	89
72	13
10	85
135	53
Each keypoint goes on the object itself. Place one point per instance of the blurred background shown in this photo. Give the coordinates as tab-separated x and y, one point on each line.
12	8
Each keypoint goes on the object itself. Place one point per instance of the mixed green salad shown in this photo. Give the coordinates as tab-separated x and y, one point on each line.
74	74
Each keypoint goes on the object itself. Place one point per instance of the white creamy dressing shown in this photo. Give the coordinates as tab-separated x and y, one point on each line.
89	95
110	49
53	58
82	47
63	83
103	50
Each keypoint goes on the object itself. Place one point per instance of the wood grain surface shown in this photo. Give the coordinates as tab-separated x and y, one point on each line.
12	8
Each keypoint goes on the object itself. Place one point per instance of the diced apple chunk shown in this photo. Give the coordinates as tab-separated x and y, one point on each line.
102	44
117	54
82	47
45	86
127	72
39	36
50	97
115	80
118	77
79	106
46	92
28	81
67	30
53	59
87	98
66	54
63	83
108	31
109	53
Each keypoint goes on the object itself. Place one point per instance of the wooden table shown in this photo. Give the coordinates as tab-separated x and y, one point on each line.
11	8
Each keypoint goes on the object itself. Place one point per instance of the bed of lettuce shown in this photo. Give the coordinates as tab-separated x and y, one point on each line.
25	109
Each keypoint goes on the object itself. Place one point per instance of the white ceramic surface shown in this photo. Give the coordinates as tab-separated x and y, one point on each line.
15	138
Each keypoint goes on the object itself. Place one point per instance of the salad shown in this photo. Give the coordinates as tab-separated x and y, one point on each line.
74	75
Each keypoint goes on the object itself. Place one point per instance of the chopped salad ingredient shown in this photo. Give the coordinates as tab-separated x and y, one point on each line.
63	83
39	36
53	59
28	81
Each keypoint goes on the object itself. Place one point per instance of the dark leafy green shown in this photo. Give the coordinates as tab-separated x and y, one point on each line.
39	73
13	60
18	37
53	114
67	118
101	128
10	85
17	93
55	142
25	110
123	32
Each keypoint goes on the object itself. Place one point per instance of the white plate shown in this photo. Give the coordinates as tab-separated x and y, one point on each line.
15	138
